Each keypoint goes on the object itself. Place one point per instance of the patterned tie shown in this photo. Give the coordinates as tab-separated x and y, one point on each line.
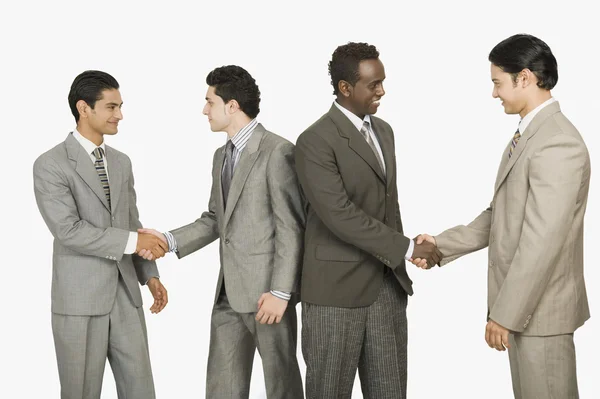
227	173
365	132
513	143
99	154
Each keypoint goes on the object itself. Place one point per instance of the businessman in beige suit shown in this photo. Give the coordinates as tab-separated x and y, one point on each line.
533	227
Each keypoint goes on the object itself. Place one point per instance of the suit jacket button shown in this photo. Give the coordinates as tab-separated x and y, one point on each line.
529	317
491	263
227	241
388	195
113	218
385	219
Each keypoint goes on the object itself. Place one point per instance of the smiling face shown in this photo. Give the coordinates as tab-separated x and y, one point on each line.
364	97
104	118
511	93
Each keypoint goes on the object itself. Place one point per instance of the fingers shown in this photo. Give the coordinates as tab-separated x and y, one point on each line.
164	299
261	300
488	336
163	245
271	319
259	315
278	319
505	340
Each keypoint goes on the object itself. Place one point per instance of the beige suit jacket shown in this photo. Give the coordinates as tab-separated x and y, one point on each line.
534	230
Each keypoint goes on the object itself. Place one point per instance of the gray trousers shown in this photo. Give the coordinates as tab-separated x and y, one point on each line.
336	341
234	338
543	367
84	342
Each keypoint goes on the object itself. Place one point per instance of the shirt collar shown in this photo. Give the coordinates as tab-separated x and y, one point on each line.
529	117
87	145
356	121
241	138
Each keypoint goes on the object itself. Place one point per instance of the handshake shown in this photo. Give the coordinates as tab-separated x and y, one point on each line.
425	254
151	244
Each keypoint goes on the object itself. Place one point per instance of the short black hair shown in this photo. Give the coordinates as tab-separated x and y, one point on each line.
522	51
232	82
88	86
345	60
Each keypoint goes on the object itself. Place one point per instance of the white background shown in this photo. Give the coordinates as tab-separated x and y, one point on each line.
449	137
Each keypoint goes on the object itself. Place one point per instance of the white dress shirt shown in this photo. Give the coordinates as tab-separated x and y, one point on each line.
89	147
358	123
529	117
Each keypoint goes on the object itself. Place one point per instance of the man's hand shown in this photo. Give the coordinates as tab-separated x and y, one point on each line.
159	292
157	246
496	336
425	255
270	308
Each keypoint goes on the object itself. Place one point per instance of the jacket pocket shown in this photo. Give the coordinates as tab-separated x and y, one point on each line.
336	253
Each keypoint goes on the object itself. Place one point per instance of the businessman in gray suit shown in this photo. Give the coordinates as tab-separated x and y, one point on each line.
256	210
84	191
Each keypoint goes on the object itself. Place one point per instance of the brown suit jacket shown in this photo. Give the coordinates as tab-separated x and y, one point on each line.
353	228
534	229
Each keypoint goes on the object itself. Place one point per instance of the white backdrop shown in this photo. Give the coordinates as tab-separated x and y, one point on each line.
449	137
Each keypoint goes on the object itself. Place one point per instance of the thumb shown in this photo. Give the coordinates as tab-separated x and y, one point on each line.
144	231
420	239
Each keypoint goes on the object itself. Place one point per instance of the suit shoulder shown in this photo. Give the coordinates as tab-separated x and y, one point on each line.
273	141
120	154
56	155
322	128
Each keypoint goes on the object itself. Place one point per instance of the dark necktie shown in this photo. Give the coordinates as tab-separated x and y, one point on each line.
227	173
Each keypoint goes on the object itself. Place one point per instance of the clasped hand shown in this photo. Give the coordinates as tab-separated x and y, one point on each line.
151	244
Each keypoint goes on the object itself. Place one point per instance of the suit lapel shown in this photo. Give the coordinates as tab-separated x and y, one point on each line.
85	168
355	140
386	143
242	170
507	164
115	176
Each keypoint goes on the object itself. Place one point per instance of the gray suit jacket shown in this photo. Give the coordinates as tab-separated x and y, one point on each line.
534	229
354	229
89	238
262	228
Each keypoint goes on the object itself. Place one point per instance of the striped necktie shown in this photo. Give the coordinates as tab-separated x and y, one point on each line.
513	143
99	154
365	132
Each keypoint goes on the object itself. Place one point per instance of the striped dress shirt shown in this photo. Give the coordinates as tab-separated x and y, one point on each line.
239	141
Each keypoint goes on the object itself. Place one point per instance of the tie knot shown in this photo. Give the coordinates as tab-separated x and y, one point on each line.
229	146
517	135
365	128
98	153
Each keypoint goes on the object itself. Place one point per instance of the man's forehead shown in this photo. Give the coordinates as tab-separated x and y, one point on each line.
110	95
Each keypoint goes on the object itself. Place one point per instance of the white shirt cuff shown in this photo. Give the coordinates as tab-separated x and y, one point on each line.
171	241
411	249
281	295
131	243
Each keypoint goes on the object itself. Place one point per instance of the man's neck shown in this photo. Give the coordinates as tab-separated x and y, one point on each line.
341	101
90	134
539	98
237	125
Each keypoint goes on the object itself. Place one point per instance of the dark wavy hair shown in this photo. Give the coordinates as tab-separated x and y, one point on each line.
232	82
88	86
344	62
522	51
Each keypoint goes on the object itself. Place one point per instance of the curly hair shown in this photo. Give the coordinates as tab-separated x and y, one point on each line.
344	62
522	51
232	82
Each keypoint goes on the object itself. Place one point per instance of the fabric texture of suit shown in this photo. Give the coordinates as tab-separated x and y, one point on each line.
261	240
353	237
534	230
89	263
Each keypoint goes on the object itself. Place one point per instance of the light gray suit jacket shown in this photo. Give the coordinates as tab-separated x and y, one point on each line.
261	228
89	238
534	229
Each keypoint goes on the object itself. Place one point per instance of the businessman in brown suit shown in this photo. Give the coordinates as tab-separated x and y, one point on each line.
354	281
533	227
